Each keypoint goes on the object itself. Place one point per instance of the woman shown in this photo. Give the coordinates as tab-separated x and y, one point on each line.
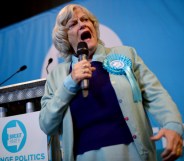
111	123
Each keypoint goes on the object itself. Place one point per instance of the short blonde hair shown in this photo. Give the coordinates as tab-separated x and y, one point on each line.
60	36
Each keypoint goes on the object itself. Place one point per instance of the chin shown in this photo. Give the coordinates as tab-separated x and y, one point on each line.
92	45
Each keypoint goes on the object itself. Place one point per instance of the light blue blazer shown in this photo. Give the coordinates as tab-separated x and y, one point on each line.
55	113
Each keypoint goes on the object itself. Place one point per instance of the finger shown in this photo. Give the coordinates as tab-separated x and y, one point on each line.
179	147
81	70
158	136
78	72
93	69
172	156
170	148
173	149
167	153
87	70
169	158
85	65
179	151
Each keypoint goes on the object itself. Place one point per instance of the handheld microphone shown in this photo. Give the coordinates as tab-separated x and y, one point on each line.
22	68
82	52
49	62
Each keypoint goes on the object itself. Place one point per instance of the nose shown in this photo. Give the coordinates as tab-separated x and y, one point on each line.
81	24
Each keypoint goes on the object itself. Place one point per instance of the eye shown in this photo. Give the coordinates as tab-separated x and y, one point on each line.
72	24
84	19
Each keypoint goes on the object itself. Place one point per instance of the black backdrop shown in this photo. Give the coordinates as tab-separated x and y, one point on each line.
12	11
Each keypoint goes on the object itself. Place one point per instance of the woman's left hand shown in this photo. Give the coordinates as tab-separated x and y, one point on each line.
174	145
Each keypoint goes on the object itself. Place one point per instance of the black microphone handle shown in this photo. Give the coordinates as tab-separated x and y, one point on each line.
84	82
82	57
82	52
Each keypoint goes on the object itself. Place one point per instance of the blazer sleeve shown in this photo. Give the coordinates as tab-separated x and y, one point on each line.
156	99
55	100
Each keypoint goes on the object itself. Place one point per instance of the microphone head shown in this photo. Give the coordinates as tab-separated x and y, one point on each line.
82	48
22	68
50	60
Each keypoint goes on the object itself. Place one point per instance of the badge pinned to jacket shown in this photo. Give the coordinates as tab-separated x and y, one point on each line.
118	64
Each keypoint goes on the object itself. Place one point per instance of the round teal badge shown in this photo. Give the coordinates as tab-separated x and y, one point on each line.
116	64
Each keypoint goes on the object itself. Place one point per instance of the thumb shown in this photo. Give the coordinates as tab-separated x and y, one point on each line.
158	136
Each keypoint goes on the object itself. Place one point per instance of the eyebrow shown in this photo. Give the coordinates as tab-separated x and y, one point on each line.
74	19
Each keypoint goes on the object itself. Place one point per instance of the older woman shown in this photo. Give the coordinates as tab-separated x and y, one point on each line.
110	123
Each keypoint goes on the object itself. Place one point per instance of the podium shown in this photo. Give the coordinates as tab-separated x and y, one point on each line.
25	97
14	97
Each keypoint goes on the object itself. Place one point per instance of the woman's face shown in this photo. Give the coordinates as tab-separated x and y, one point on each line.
80	28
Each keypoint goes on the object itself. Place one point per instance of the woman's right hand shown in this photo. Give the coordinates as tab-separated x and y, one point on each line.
82	70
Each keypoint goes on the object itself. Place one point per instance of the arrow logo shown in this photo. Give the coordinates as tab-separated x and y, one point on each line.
15	136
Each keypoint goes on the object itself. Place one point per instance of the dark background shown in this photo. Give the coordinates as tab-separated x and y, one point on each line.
18	10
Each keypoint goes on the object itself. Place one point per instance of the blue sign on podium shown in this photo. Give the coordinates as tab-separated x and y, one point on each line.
21	138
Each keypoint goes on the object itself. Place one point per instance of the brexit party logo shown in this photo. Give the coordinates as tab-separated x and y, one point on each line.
14	136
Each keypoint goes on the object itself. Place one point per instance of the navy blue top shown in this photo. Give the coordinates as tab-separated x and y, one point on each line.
98	120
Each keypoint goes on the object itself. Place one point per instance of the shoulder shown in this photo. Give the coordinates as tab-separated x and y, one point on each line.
61	68
59	72
123	49
127	51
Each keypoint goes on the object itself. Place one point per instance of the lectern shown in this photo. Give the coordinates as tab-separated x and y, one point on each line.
25	97
14	97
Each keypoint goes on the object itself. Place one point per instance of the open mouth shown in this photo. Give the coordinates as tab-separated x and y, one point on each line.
85	35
